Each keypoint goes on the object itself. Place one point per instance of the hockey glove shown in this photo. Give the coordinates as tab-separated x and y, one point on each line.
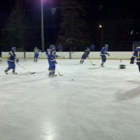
17	60
56	56
132	60
54	62
108	54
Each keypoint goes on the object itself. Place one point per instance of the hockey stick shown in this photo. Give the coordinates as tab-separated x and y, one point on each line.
65	56
90	61
26	70
40	55
58	70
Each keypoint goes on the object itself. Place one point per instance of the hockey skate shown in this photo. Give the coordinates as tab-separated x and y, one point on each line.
54	75
102	65
81	62
50	75
6	71
14	72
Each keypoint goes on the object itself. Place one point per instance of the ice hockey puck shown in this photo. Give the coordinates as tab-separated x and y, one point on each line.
122	66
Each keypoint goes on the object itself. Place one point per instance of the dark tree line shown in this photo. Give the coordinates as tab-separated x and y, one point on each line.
20	29
73	23
15	31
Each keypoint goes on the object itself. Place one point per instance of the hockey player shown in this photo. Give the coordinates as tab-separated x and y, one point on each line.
85	55
92	47
11	61
36	54
136	54
59	48
103	54
51	54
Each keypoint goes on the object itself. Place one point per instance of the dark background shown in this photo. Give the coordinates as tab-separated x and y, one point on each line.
118	17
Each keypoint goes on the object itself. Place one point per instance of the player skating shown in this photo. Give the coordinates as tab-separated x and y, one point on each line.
85	55
51	55
36	54
103	54
11	61
136	54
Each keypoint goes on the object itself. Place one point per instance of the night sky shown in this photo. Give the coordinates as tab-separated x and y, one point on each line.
99	9
30	7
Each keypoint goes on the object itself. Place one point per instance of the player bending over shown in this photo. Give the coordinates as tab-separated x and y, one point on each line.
85	55
51	54
36	54
103	54
136	54
11	61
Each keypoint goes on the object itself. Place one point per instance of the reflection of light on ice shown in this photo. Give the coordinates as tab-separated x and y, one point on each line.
49	131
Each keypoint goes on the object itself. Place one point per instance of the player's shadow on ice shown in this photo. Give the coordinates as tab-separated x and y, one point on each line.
95	68
84	64
134	82
114	68
81	64
131	94
106	68
78	64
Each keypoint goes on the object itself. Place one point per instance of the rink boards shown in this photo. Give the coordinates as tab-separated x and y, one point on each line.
74	55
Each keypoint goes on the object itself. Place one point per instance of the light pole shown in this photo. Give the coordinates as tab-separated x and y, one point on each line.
102	35
42	26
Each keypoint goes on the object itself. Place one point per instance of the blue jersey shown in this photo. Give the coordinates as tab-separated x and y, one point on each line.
92	47
51	54
36	51
11	56
137	54
59	47
86	53
103	51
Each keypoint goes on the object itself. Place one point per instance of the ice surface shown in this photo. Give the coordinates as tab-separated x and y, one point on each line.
98	104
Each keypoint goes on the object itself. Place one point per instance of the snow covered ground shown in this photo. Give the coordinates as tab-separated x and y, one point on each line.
98	104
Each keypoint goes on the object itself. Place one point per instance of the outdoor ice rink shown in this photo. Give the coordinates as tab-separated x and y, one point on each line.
98	104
